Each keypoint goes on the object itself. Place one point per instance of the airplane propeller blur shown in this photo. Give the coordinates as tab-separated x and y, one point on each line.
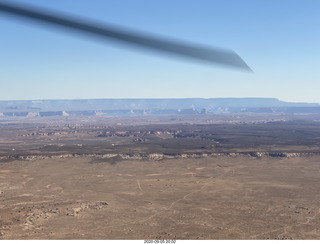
215	56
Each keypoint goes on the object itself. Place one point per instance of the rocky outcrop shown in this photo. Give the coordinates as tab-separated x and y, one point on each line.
157	156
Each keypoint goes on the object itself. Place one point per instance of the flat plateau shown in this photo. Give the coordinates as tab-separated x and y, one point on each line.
219	197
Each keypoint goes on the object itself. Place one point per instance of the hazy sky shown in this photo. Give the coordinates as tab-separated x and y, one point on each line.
278	39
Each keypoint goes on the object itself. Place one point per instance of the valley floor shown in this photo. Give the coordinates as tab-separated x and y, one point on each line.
217	197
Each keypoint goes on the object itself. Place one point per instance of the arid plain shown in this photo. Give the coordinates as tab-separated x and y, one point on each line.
164	178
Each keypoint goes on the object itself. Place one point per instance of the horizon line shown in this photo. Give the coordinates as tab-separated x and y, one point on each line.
172	98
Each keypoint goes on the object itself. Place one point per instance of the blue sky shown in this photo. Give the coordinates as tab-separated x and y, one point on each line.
278	39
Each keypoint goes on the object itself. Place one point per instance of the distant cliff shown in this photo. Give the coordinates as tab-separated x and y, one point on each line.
122	107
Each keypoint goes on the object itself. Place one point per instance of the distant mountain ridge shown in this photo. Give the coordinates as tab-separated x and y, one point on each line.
151	106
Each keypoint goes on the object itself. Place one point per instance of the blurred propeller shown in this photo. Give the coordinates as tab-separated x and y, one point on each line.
196	52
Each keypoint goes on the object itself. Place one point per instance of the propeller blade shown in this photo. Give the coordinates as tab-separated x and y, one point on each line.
195	52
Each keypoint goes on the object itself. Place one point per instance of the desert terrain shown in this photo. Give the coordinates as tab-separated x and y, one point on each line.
170	177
